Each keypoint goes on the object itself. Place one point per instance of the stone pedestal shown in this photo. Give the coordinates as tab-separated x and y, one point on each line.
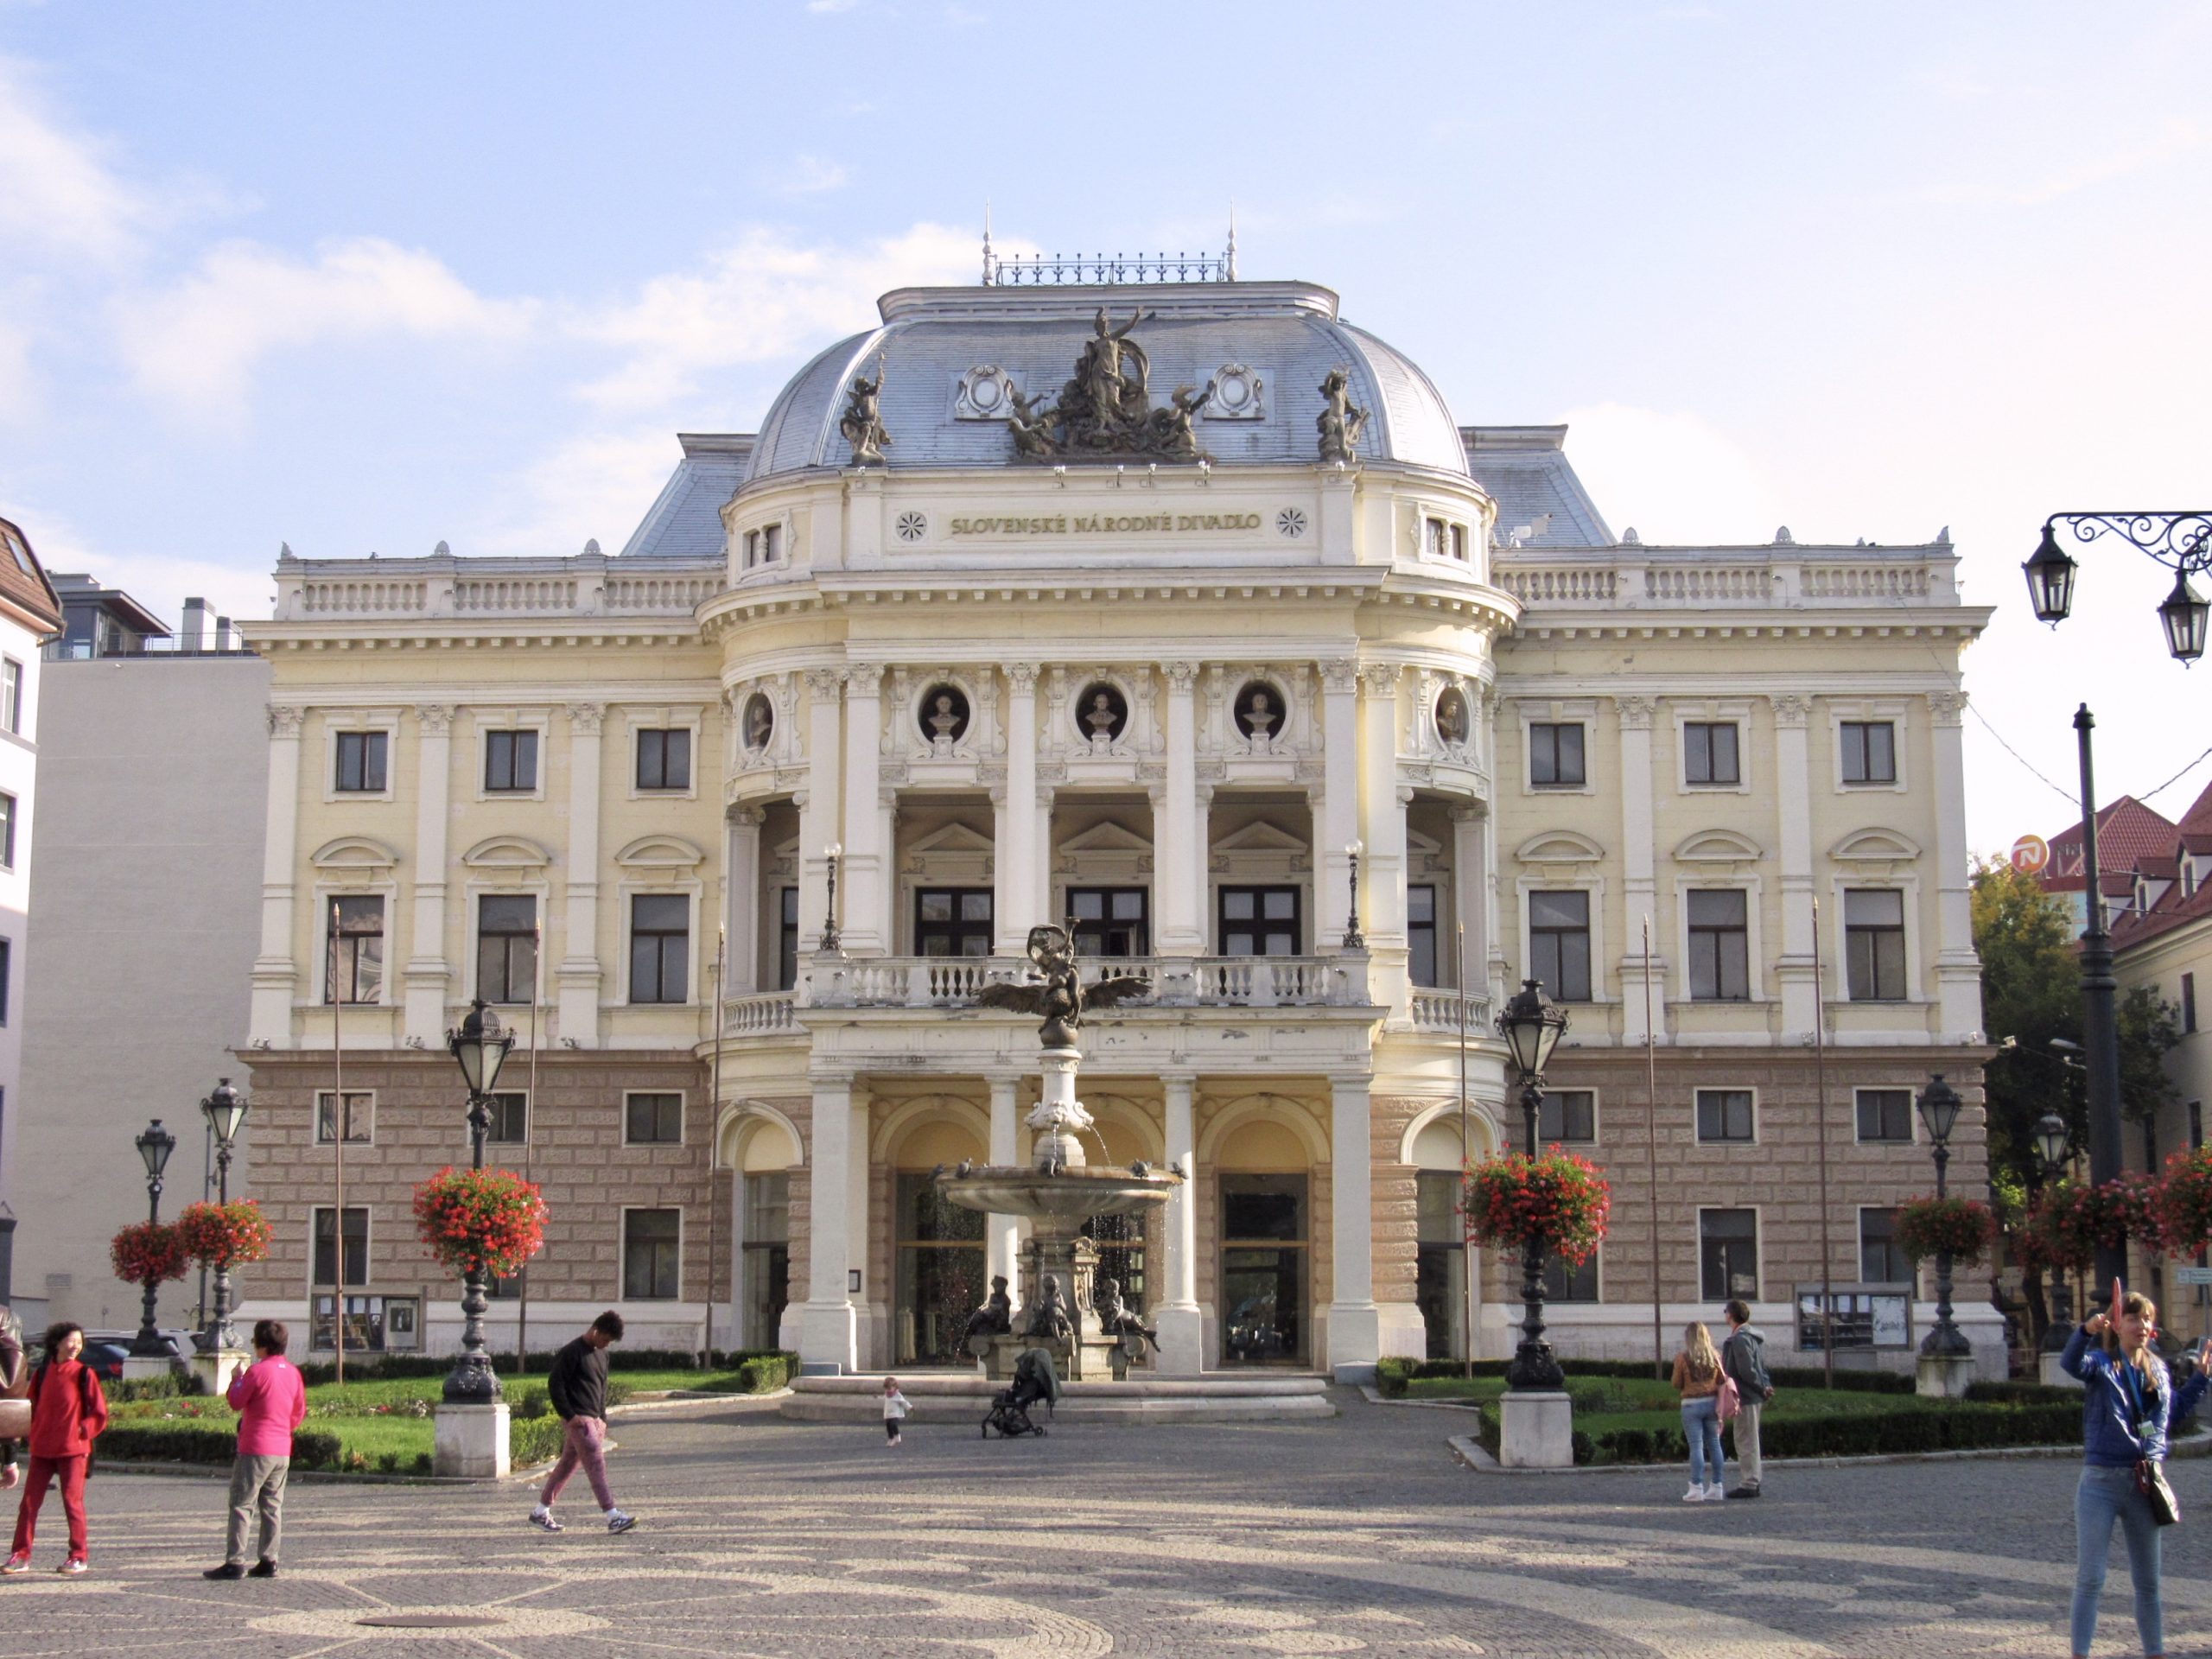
216	1370
136	1365
470	1442
1944	1377
2053	1374
1182	1342
1538	1431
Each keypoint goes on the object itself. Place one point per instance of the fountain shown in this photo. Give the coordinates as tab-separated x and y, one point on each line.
1059	1191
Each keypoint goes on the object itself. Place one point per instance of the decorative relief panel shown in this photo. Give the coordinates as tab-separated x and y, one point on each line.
986	393
1238	395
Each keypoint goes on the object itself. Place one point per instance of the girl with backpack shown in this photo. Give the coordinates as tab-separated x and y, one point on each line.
68	1411
1697	1379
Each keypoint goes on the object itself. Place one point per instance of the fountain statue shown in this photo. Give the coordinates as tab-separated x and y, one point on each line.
1059	1189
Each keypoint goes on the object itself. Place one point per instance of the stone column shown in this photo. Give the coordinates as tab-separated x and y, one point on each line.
1639	888
275	973
1180	839
864	875
1336	821
1003	1234
741	900
1355	1323
428	978
820	816
1382	865
1471	895
1793	786
1015	860
1182	1327
579	974
835	1238
1958	971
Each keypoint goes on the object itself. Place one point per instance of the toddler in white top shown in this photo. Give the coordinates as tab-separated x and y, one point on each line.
895	1408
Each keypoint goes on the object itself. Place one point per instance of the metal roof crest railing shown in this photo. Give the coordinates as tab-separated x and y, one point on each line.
1038	271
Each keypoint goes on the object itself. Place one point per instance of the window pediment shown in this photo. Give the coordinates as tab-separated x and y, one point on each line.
660	852
1873	847
506	853
354	853
1718	847
1559	847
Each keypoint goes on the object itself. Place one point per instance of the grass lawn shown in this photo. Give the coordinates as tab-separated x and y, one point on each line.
1646	1402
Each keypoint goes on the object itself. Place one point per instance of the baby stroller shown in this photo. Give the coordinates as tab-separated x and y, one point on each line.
1034	1379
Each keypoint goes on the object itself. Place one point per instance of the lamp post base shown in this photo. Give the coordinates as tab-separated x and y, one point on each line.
215	1367
469	1442
1538	1431
1944	1377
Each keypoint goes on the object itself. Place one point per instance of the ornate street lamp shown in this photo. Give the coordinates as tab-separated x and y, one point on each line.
2053	1146
829	939
1939	1110
1532	1025
480	1048
1354	939
224	1109
154	1145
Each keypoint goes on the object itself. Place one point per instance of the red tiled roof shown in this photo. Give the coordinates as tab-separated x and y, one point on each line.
2171	912
2198	819
2128	832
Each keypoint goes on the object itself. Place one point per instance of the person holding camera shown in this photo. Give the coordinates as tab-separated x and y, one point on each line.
271	1398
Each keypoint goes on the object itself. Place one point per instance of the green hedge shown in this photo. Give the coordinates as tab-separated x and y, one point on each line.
533	1439
2022	1393
1936	1428
766	1373
618	1359
1391	1376
189	1442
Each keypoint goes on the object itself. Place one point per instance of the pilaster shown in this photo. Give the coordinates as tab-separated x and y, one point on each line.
1355	1322
428	978
827	1327
1003	1234
864	876
275	976
1180	854
1794	969
1337	820
1182	1326
1958	969
820	815
1015	907
579	976
1639	881
741	900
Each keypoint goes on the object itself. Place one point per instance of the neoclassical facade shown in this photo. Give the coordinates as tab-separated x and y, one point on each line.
1215	636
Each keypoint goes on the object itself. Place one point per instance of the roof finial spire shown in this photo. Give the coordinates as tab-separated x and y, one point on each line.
986	241
1233	241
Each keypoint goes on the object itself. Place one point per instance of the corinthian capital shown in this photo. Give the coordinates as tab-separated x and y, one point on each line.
584	718
1790	714
1949	707
863	679
1181	676
1635	713
1022	677
285	720
822	682
1339	674
436	717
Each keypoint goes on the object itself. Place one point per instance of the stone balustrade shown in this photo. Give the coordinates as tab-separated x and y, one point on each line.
589	585
1631	577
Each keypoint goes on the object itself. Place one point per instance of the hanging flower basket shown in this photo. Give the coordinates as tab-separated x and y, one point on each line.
2185	1201
480	1220
148	1252
1556	1199
223	1235
1963	1227
2066	1224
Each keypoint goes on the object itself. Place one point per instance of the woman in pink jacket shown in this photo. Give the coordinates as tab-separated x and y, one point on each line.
271	1398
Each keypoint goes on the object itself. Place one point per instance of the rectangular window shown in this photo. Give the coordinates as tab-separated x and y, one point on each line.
952	921
1885	1115
1881	1261
1259	921
771	543
356	969
1439	539
325	1266
649	1251
2187	981
1110	921
1555	755
510	1120
361	1116
664	758
510	761
506	947
1566	1284
1568	1116
1728	1254
652	1120
660	947
361	762
1709	753
1724	1115
11	696
1459	543
7	977
1558	943
1420	934
1873	943
7	831
752	548
1870	752
1720	948
787	940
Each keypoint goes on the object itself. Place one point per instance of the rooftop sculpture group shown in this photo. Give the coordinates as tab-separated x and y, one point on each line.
1107	408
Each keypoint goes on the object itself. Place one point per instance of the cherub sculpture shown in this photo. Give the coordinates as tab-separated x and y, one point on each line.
862	423
1032	425
1117	1319
1063	996
995	1317
1340	421
1048	1321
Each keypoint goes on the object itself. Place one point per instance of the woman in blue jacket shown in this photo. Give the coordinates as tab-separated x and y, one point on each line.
2127	1399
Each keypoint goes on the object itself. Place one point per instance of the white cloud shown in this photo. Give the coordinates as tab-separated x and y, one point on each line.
195	345
159	581
809	174
595	486
58	193
764	298
19	397
826	6
1670	475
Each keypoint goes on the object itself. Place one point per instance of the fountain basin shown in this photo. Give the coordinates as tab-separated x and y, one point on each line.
1065	1196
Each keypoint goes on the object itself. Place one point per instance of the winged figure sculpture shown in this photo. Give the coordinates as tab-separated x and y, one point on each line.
1062	997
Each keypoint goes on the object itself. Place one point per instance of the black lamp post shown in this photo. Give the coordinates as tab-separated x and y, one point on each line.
2054	1146
829	939
1354	939
1532	1025
1939	1110
224	1109
155	1144
2182	542
481	1046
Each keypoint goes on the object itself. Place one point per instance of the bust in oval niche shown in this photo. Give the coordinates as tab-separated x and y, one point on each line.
1102	714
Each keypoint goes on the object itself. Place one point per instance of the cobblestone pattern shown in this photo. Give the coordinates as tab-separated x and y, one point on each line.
1361	1535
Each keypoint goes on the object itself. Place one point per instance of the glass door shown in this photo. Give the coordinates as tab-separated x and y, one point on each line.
940	1277
1440	1284
767	1271
1264	1262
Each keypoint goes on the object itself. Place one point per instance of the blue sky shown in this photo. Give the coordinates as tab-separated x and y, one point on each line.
369	279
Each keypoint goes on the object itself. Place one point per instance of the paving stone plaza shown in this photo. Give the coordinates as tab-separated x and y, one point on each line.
1359	1535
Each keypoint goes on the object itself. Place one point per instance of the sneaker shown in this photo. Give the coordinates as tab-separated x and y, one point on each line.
1695	1495
264	1569
1745	1492
72	1567
543	1521
228	1570
19	1562
1715	1492
617	1522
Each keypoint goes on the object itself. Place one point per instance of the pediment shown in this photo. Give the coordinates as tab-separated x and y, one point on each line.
354	853
1718	847
1261	837
1871	846
660	852
1559	847
952	838
1106	838
506	853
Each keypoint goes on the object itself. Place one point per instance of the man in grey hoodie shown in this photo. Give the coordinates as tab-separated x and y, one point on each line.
1743	1357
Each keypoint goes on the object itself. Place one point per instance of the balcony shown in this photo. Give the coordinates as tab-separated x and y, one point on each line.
1440	1011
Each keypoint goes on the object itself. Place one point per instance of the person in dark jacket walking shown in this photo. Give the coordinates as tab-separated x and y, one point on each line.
1743	1357
2127	1399
577	1387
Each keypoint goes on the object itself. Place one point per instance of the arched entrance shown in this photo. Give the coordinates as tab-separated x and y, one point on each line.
760	1149
939	1272
1441	1285
1265	1296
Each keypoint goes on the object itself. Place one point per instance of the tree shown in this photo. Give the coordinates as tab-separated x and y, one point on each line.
2148	1027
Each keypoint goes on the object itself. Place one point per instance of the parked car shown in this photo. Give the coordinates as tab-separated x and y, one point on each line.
175	1344
106	1359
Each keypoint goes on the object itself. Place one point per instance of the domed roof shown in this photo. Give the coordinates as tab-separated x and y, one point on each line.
938	346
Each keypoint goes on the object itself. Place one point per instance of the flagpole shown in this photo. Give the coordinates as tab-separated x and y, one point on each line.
1651	1146
714	1111
528	1128
1467	1152
338	1154
1820	1120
